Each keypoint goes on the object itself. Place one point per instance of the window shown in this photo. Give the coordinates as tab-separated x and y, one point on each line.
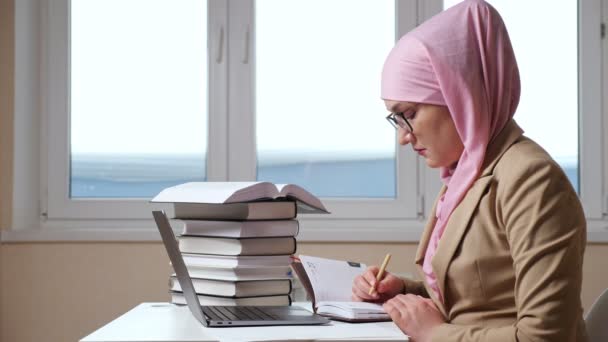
547	74
317	97
138	96
564	75
224	107
188	95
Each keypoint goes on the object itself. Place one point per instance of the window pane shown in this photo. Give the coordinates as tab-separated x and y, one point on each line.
546	48
138	96
319	117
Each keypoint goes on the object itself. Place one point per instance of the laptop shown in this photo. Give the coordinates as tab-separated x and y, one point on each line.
227	316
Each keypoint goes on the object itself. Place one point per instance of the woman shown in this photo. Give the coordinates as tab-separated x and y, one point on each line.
501	257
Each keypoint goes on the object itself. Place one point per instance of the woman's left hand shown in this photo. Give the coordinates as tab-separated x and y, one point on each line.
414	315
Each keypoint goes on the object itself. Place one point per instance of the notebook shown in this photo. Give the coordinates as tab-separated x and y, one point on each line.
329	282
227	316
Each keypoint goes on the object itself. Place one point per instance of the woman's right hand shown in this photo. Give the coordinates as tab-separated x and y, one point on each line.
388	287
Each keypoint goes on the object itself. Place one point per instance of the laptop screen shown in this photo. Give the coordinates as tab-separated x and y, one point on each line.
179	266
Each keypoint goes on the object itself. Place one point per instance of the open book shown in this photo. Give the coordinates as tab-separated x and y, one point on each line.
240	192
329	283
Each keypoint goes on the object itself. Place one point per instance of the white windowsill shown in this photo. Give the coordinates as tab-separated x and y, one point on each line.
151	235
597	232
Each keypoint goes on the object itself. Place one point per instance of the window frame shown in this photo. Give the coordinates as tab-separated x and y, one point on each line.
231	154
242	152
38	203
591	153
56	202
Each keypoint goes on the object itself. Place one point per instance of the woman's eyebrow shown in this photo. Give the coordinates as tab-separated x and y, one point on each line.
394	108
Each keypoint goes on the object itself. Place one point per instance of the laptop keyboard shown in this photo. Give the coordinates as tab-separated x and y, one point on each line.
239	313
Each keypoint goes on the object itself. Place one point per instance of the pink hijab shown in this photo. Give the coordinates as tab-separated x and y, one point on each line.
461	58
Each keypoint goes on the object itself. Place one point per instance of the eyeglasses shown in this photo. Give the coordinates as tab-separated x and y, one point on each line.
398	120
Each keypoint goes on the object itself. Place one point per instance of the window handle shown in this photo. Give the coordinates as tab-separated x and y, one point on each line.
246	47
220	46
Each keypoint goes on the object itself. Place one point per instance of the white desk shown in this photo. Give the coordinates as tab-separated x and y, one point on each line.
168	322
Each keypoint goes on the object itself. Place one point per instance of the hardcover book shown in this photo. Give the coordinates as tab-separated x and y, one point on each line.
283	300
242	288
241	272
241	229
231	246
208	260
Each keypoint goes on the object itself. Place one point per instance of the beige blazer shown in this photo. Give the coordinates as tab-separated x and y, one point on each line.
510	260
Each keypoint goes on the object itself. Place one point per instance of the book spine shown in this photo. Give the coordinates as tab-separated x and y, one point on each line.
295	246
234	297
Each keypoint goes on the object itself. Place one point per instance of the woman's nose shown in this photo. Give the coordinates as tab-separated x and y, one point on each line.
404	137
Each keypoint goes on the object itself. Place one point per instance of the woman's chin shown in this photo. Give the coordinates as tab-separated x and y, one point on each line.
432	163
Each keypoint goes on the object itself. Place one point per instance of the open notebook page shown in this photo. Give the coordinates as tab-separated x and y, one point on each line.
331	280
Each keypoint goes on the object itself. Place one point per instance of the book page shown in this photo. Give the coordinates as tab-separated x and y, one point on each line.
331	280
255	192
203	192
307	202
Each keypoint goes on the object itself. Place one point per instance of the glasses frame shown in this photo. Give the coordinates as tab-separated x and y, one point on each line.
398	120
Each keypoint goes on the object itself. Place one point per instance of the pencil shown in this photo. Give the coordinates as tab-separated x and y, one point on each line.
380	273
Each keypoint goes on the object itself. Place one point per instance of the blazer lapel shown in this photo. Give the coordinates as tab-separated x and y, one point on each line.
420	253
459	220
455	230
428	229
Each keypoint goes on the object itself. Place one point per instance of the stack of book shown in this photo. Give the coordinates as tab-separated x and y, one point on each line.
238	239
